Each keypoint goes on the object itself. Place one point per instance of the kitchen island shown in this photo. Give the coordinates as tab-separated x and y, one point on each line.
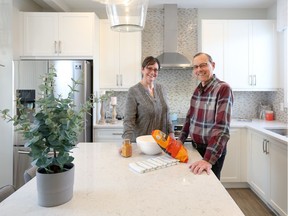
106	186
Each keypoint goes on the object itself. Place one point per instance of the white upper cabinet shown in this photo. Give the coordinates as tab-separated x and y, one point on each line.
264	54
213	35
245	52
58	34
236	55
120	58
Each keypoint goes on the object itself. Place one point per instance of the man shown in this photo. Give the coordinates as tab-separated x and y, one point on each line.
208	118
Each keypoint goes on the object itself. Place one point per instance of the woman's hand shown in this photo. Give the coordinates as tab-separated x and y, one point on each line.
172	135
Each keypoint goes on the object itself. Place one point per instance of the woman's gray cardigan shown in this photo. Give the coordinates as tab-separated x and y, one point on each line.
143	113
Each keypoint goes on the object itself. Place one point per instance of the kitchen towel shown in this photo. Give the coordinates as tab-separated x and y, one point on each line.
152	164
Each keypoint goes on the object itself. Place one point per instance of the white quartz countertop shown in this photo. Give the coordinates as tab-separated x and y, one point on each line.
262	126
105	186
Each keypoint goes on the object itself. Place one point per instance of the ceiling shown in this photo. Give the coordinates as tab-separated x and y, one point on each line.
95	5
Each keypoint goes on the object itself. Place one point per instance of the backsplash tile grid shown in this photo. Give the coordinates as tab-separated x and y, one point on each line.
179	85
187	32
152	35
276	99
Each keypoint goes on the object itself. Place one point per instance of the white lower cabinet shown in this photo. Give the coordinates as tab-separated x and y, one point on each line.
258	164
234	168
278	177
267	173
108	134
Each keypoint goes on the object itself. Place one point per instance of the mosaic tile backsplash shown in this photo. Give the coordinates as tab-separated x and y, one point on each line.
181	83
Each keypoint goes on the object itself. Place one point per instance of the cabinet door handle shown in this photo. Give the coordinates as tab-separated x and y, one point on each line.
1	65
117	80
263	145
121	78
267	146
59	47
254	80
55	47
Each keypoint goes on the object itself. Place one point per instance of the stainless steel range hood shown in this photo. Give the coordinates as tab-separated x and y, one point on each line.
171	59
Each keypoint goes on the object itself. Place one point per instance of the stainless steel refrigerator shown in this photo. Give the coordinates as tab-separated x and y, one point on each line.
67	69
27	75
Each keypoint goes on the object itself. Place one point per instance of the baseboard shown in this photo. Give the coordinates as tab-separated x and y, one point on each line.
235	184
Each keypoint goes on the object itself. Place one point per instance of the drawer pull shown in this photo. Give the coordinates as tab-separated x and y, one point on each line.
117	133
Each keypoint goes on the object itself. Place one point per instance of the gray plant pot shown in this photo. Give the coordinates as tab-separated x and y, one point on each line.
55	189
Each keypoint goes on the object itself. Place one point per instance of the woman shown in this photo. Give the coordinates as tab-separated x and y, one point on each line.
146	105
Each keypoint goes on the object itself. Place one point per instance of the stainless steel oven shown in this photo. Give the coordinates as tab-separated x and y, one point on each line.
178	125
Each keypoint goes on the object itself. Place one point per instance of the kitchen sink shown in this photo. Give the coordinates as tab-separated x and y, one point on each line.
280	131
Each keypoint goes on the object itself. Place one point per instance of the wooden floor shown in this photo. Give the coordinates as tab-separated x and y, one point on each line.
249	203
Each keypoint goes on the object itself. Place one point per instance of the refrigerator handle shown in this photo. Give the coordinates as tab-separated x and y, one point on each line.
23	152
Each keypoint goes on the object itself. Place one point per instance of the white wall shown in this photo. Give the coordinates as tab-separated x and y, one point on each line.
6	86
9	22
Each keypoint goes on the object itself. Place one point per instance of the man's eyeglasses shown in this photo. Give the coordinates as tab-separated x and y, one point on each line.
201	66
152	69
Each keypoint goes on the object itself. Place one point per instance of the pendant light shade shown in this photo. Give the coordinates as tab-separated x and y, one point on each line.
127	15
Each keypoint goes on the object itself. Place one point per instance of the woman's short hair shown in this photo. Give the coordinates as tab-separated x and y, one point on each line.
150	60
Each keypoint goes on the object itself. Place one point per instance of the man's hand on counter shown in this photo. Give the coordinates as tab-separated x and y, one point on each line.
200	166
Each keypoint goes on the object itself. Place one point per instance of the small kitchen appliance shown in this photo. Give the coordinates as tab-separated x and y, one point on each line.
262	110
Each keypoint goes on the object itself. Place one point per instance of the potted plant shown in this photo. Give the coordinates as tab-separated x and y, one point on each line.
51	136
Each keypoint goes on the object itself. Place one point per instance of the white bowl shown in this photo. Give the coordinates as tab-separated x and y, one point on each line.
148	145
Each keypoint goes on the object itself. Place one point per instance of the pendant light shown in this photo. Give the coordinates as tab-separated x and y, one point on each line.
127	15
